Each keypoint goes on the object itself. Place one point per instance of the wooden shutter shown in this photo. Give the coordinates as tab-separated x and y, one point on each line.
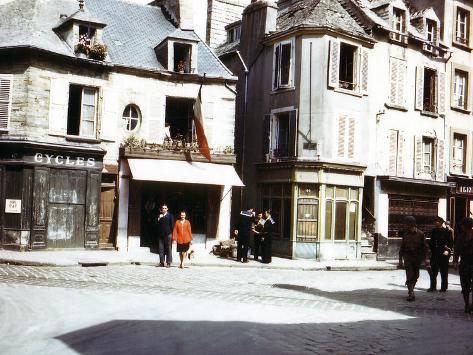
364	71
392	139
276	65
110	116
393	85
266	137
5	100
441	83
153	119
351	137
401	82
58	103
417	156
341	136
420	88
334	58
293	133
441	159
400	154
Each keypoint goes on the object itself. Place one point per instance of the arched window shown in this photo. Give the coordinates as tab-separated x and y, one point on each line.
132	117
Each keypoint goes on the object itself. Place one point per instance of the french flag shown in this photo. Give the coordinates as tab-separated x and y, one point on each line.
199	127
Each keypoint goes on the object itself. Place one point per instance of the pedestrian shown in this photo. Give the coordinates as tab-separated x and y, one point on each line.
258	226
243	234
441	247
413	250
165	224
267	239
182	235
464	251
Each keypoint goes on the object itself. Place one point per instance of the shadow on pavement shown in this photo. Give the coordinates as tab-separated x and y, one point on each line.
207	338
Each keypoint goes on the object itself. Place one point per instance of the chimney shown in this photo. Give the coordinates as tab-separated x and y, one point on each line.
259	19
186	14
81	5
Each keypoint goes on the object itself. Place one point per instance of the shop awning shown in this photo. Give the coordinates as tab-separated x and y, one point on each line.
184	172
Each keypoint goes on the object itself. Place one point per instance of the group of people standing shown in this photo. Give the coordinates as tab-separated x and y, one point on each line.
261	228
436	255
169	232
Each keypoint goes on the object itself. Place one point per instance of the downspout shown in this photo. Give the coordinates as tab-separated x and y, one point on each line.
244	123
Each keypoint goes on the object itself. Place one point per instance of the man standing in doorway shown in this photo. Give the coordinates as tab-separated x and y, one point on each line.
165	226
413	250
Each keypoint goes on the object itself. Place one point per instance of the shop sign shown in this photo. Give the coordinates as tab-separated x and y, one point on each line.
66	160
465	189
12	206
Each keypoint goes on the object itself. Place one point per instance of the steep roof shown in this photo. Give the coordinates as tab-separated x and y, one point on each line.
132	31
319	13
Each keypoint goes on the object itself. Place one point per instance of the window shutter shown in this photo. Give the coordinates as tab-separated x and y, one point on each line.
401	82
351	137
155	124
293	133
266	138
440	159
58	103
334	57
441	92
5	100
341	136
392	139
418	156
364	71
110	117
420	88
393	86
400	154
276	64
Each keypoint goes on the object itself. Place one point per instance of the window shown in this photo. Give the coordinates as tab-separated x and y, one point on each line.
5	100
283	134
132	117
180	119
398	79
233	34
308	212
399	20
460	89
277	198
459	153
347	72
88	33
82	111
341	213
428	164
283	60
432	32
430	90
462	27
182	57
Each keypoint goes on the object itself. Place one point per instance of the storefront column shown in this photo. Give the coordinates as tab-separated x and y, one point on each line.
382	213
442	211
124	193
223	229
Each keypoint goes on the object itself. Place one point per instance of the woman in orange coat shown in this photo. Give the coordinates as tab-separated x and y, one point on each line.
182	234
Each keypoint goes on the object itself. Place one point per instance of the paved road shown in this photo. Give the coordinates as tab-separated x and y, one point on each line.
149	310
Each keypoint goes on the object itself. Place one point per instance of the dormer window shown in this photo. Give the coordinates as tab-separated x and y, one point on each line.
182	57
87	33
233	34
399	20
431	32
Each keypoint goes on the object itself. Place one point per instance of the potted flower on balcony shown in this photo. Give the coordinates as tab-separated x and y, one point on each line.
82	47
98	51
181	66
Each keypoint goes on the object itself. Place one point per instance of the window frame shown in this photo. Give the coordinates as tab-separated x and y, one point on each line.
457	37
465	70
428	141
399	21
277	72
349	200
129	119
463	138
81	117
292	134
7	104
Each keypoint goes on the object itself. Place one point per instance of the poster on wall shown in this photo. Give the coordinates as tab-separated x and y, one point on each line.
12	206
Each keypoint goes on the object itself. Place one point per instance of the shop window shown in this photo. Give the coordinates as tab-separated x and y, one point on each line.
427	155
283	134
307	218
341	213
462	26
277	198
459	153
82	111
283	62
328	219
132	118
182	57
5	100
180	119
460	89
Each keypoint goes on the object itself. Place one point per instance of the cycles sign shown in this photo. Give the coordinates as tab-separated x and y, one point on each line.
66	160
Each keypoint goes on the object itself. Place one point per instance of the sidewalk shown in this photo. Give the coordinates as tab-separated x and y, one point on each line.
202	257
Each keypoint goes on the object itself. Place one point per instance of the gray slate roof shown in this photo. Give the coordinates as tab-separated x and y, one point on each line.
131	33
319	13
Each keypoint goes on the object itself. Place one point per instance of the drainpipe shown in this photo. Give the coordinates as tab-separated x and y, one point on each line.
243	125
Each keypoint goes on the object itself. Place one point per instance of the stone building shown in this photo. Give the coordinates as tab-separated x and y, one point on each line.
97	125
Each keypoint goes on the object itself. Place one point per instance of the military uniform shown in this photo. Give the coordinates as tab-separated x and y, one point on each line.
440	241
243	237
464	252
414	250
267	241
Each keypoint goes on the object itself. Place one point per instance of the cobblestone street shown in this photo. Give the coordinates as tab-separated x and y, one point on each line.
143	309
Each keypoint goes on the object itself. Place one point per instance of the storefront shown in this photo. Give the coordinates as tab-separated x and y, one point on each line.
316	207
460	197
49	195
203	190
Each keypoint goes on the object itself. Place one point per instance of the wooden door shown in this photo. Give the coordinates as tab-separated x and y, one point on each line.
107	212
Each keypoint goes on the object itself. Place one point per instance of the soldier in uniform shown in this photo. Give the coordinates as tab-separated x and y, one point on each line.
441	246
267	239
464	252
243	234
413	251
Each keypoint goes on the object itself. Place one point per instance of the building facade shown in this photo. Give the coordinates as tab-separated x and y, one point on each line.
97	126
